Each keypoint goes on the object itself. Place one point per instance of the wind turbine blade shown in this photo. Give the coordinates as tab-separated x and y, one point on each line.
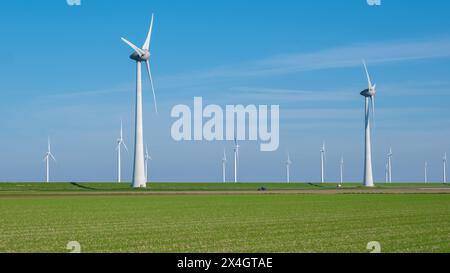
125	146
52	157
367	73
121	129
138	50
151	83
146	45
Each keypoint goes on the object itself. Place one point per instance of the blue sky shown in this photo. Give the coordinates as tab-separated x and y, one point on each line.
65	73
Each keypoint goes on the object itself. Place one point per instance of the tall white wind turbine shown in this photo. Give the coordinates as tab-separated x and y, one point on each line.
444	161
224	167
389	158
288	168
120	143
426	172
47	158
236	158
369	99
323	155
141	55
147	158
342	170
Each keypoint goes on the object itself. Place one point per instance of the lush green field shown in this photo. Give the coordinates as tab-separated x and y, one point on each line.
225	223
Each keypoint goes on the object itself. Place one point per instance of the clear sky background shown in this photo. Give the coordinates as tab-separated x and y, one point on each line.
65	73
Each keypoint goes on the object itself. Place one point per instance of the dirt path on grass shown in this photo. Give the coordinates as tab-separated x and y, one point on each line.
245	192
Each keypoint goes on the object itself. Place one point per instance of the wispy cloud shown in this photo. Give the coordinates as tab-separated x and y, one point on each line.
277	95
340	57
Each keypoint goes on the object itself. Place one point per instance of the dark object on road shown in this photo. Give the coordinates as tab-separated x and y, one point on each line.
262	189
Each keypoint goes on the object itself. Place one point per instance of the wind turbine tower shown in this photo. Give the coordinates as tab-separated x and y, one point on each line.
120	143
389	156
140	55
288	168
369	97
387	172
47	158
322	162
342	170
236	158
444	160
224	167
147	158
426	172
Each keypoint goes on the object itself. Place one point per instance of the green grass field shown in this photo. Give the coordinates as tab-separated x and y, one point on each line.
220	223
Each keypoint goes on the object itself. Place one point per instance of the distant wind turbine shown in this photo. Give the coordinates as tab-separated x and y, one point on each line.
141	55
288	168
322	162
387	172
444	160
342	170
236	158
120	143
389	157
224	167
147	157
369	96
426	172
47	158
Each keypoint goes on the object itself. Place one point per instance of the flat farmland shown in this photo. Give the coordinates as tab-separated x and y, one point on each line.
277	222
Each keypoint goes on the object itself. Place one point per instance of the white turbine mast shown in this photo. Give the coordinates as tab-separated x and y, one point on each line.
288	168
147	158
141	55
236	158
426	172
120	143
389	158
47	158
224	167
444	161
323	156
387	172
369	100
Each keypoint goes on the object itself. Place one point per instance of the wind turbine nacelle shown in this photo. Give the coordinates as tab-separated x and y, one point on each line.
368	93
140	58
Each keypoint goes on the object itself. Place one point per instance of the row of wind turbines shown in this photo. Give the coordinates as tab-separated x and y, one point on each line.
141	157
289	163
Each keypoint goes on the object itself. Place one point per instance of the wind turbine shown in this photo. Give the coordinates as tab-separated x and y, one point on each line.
47	158
147	157
426	172
389	157
141	55
342	169
444	160
322	162
236	158
288	168
224	166
387	172
369	96
120	143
